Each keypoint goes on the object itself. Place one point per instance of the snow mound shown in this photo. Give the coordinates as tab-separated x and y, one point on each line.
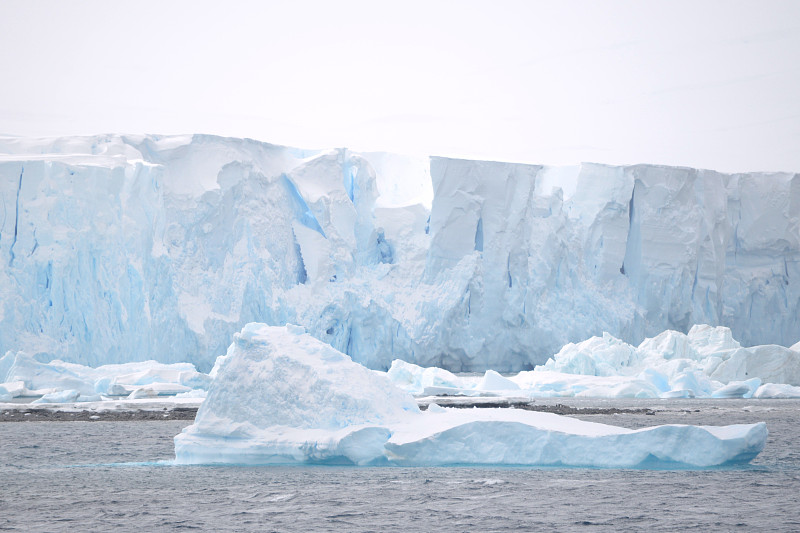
282	396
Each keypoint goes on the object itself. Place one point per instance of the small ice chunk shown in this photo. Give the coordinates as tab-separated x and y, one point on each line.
493	381
65	396
90	398
777	390
154	390
738	389
416	379
12	389
194	393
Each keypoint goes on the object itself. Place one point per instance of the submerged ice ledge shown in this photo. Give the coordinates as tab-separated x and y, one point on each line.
282	396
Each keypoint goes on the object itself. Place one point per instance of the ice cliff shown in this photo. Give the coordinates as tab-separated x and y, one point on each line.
127	248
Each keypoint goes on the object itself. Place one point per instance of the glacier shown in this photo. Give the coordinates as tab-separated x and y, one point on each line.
282	396
127	248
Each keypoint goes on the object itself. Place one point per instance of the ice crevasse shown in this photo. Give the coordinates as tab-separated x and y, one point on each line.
117	249
282	396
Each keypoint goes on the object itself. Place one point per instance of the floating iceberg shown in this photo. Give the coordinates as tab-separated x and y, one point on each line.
121	248
708	362
282	396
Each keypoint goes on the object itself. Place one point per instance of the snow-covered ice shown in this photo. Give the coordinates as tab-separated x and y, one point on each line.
282	396
119	248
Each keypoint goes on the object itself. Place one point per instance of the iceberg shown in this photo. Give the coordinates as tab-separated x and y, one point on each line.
11	390
65	396
127	248
775	390
282	396
706	362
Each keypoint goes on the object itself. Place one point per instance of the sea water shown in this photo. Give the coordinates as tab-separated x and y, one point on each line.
98	476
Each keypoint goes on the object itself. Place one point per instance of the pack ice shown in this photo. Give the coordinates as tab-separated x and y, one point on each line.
117	249
705	363
61	382
282	396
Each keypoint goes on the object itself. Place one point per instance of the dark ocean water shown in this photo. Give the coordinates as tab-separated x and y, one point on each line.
99	476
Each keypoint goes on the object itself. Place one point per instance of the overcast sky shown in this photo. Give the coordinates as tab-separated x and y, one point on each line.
713	84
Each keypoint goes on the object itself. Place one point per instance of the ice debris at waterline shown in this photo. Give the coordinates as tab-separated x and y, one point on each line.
117	248
282	396
706	363
60	382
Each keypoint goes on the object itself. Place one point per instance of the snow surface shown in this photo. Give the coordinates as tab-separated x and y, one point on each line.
282	396
130	248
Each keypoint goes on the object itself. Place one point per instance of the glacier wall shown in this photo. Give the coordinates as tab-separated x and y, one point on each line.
127	248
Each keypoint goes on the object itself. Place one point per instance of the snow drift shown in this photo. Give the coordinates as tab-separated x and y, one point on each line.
127	248
282	396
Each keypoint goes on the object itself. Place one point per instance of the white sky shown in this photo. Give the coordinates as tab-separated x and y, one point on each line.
712	84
